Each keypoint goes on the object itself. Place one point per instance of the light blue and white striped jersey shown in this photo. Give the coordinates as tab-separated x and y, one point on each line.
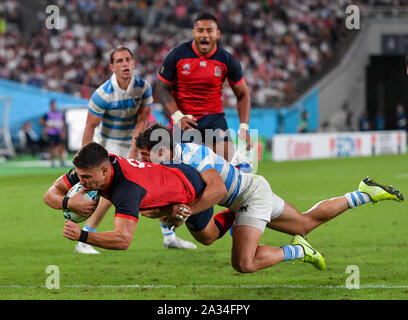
118	107
202	158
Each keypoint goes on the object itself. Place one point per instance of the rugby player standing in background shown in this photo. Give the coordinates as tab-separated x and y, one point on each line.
190	85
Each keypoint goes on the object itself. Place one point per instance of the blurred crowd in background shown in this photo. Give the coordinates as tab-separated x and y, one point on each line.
284	46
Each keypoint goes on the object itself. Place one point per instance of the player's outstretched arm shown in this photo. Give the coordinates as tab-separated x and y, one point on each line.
241	92
92	121
56	193
117	239
163	91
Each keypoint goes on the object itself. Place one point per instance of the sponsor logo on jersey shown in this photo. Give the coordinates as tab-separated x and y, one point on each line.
186	68
217	71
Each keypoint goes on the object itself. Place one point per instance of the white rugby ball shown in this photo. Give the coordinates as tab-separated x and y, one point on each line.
90	196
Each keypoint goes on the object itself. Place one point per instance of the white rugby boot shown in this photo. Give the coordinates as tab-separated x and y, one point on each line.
85	248
177	243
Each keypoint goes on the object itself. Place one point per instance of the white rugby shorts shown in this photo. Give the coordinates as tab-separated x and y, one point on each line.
258	204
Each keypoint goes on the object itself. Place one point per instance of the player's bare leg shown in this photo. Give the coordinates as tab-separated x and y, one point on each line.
51	152
219	224
293	222
248	255
208	235
60	153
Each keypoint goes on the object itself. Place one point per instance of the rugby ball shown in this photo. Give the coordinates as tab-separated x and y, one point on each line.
90	196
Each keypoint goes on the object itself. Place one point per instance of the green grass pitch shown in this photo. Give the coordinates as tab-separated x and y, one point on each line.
373	238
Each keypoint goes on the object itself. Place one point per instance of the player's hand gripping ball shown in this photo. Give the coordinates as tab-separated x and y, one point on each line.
88	196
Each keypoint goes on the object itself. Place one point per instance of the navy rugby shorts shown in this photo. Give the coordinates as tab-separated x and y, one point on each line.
215	122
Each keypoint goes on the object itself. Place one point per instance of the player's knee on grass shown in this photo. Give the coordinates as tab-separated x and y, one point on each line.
244	265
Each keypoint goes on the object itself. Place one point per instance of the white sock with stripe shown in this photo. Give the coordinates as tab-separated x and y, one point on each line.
357	198
167	233
292	252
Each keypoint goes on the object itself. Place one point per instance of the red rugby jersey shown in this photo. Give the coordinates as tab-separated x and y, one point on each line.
138	185
198	80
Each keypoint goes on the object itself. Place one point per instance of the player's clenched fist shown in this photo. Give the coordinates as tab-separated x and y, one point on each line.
71	230
181	211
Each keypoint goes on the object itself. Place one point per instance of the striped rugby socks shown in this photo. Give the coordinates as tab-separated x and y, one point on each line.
292	252
357	198
166	231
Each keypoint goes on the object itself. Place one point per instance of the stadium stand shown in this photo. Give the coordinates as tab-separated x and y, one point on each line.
283	51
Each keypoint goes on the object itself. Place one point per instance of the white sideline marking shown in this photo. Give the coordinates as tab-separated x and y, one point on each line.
31	163
212	286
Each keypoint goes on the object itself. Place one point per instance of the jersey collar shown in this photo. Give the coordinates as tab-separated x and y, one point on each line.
206	56
119	89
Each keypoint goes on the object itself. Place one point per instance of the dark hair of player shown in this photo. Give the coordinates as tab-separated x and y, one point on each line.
91	155
154	135
205	16
118	49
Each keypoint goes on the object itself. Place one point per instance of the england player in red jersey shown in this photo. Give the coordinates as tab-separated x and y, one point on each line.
191	80
133	186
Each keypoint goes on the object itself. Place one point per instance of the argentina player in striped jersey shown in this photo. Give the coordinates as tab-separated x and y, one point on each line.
121	106
256	206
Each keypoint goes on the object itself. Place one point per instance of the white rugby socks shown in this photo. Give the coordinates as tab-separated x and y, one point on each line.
167	233
357	198
292	252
